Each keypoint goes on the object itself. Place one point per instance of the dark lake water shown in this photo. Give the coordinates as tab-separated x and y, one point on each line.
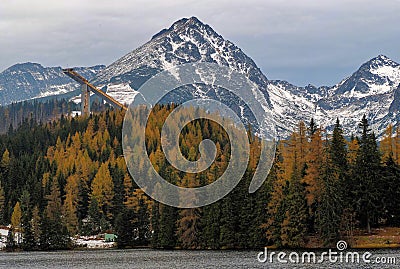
146	258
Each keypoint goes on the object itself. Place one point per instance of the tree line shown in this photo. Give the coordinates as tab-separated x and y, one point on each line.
68	177
42	111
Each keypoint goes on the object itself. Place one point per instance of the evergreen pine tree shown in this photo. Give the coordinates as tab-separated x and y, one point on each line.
2	201
28	239
155	225
211	224
366	178
228	222
277	203
124	229
35	225
54	232
91	225
390	192
10	243
330	206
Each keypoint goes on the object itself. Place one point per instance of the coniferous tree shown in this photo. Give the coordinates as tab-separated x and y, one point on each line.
28	239
211	224
390	190
118	188
16	216
10	243
2	202
155	225
294	225
330	206
396	148
143	224
79	147
228	222
366	177
387	145
124	229
337	185
277	204
103	190
83	201
54	233
35	225
71	203
91	225
338	151
312	176
188	223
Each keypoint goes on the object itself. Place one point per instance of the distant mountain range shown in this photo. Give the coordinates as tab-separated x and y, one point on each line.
372	90
28	81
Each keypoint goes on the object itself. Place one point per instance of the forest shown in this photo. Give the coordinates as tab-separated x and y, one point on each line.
68	177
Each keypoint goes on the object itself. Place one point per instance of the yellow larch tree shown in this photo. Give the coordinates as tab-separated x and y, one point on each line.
103	189
397	145
71	203
16	216
314	160
388	144
353	149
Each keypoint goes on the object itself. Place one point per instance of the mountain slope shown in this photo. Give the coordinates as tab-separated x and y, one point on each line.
186	41
31	80
371	90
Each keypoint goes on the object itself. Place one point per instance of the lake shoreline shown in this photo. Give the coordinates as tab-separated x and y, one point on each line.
380	239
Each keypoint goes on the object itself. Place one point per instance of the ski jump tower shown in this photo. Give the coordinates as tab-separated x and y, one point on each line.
86	89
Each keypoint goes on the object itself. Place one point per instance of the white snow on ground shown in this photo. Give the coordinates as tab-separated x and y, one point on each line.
75	112
123	93
56	90
76	99
93	243
88	242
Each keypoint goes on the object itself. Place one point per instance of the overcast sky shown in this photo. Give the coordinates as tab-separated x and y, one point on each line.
303	41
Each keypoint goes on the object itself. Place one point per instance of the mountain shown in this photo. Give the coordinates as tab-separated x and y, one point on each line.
186	41
31	80
372	90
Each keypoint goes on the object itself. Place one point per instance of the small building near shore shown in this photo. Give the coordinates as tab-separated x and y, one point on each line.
110	237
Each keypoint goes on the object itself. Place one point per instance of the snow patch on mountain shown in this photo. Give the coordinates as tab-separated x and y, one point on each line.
122	92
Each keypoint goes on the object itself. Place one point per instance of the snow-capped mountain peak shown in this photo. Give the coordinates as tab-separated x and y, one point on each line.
186	41
377	76
371	90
